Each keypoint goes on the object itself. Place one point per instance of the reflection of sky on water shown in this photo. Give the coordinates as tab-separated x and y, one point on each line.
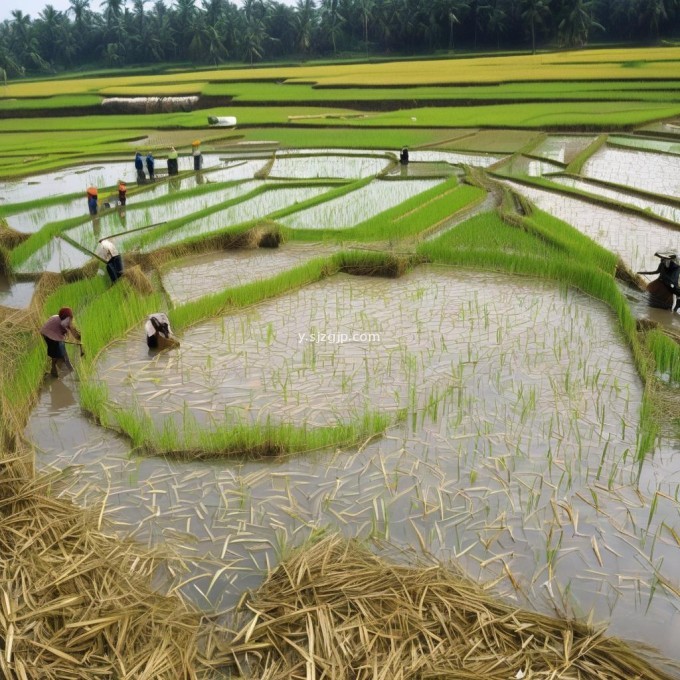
254	208
359	205
55	256
16	294
104	173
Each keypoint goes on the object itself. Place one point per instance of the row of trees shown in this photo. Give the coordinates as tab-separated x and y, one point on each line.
148	31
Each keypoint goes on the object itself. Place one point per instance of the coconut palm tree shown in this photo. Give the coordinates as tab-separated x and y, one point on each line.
533	13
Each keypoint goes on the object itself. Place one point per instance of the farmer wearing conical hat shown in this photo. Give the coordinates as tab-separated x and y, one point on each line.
92	201
669	273
54	332
198	157
122	192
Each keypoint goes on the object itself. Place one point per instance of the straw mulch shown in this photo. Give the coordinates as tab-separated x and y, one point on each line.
336	611
9	238
75	604
138	280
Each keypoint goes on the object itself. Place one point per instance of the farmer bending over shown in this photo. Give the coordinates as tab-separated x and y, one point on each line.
108	252
158	333
669	272
54	332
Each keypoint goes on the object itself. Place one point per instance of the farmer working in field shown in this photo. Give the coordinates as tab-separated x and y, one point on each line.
122	192
108	252
669	273
54	333
150	164
403	156
158	333
139	167
173	167
92	201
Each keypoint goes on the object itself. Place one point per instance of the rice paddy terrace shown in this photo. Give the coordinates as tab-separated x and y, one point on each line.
451	362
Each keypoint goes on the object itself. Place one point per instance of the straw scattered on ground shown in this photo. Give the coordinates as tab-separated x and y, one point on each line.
76	604
336	611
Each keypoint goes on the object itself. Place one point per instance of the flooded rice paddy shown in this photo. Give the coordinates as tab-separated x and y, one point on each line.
653	172
249	209
514	406
105	173
635	243
523	166
665	210
324	167
359	205
213	272
515	459
562	148
16	294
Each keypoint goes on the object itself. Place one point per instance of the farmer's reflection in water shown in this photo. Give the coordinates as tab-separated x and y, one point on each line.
61	396
122	217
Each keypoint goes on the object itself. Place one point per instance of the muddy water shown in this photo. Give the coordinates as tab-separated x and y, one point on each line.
665	210
633	238
357	206
16	294
213	272
516	454
653	172
319	167
562	148
251	209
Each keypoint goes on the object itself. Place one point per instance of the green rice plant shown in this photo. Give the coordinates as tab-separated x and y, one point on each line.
193	441
666	353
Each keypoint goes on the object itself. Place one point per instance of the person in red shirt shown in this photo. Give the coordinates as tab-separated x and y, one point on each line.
54	332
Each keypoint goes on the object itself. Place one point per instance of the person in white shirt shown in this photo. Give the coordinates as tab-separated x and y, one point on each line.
158	332
107	251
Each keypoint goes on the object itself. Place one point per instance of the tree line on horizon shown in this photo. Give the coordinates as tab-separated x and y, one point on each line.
147	32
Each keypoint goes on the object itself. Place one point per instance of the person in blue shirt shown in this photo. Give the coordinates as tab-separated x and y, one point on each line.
150	164
139	166
92	201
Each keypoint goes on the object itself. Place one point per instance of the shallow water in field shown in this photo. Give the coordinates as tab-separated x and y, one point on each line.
635	239
522	166
515	457
479	160
250	209
562	148
103	173
119	221
359	205
664	210
319	167
198	276
16	293
55	256
646	143
643	170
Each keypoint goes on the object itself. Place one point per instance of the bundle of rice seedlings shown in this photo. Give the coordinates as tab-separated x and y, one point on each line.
335	611
138	280
9	238
77	604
